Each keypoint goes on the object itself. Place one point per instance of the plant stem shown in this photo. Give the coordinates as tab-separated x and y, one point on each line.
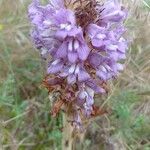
67	139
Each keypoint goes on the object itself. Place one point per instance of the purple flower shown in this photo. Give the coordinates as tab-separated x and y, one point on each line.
74	73
85	99
57	4
106	68
64	18
94	84
97	34
112	11
77	122
55	66
84	46
39	15
46	44
74	47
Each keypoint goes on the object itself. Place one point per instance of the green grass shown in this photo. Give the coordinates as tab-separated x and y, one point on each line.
24	106
25	121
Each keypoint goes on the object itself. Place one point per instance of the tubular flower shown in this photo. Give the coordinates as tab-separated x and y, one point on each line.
84	46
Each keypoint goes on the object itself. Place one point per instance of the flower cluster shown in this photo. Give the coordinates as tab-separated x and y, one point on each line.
84	45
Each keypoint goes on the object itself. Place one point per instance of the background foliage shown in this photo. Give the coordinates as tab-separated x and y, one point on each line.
25	121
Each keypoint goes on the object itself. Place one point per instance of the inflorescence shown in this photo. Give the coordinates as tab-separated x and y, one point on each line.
82	41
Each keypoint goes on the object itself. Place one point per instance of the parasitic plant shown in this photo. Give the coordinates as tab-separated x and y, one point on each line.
83	43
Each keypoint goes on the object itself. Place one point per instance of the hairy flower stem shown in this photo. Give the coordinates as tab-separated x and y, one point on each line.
67	139
71	139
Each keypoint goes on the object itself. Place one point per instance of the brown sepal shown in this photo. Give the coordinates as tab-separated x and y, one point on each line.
57	107
97	111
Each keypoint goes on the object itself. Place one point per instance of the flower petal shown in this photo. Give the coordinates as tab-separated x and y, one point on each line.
93	85
92	30
83	76
55	68
61	34
72	57
97	42
101	75
95	59
83	52
62	51
89	101
57	3
71	79
113	11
